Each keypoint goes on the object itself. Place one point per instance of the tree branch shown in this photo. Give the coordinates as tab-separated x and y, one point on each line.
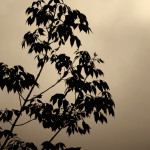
21	96
22	123
55	135
47	88
19	99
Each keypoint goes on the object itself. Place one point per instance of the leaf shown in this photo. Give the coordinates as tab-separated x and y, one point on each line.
102	118
41	31
60	145
78	42
96	116
60	9
95	54
80	27
59	103
30	20
69	131
59	15
23	44
21	68
79	68
106	87
56	1
72	39
1	134
9	115
65	104
50	1
31	145
39	101
16	112
39	96
81	106
7	132
99	85
27	109
86	127
96	73
57	97
80	130
100	72
47	145
64	9
29	10
86	70
111	111
65	74
100	61
93	89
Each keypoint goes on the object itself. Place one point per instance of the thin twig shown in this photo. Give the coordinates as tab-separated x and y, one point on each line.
47	88
85	78
20	100
23	123
21	96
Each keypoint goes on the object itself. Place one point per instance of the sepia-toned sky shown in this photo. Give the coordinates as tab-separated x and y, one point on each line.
121	37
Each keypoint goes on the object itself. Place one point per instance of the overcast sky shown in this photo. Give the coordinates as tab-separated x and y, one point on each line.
121	37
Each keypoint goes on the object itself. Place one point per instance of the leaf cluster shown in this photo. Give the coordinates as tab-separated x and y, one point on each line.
59	146
15	78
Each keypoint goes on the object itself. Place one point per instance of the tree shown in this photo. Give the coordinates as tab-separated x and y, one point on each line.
55	25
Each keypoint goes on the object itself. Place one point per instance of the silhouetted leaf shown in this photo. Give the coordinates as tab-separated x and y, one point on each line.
65	104
31	145
1	134
100	61
60	145
7	132
65	73
39	101
30	20
47	145
60	103
41	31
78	42
16	112
56	1
72	39
96	116
102	118
111	111
57	97
69	131
100	72
93	89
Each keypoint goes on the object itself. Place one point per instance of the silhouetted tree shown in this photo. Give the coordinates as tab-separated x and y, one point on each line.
56	23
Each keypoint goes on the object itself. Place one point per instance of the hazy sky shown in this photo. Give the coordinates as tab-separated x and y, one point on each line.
121	36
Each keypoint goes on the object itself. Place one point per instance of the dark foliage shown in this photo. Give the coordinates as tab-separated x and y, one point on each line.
56	22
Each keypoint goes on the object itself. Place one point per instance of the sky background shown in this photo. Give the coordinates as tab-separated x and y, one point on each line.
121	37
